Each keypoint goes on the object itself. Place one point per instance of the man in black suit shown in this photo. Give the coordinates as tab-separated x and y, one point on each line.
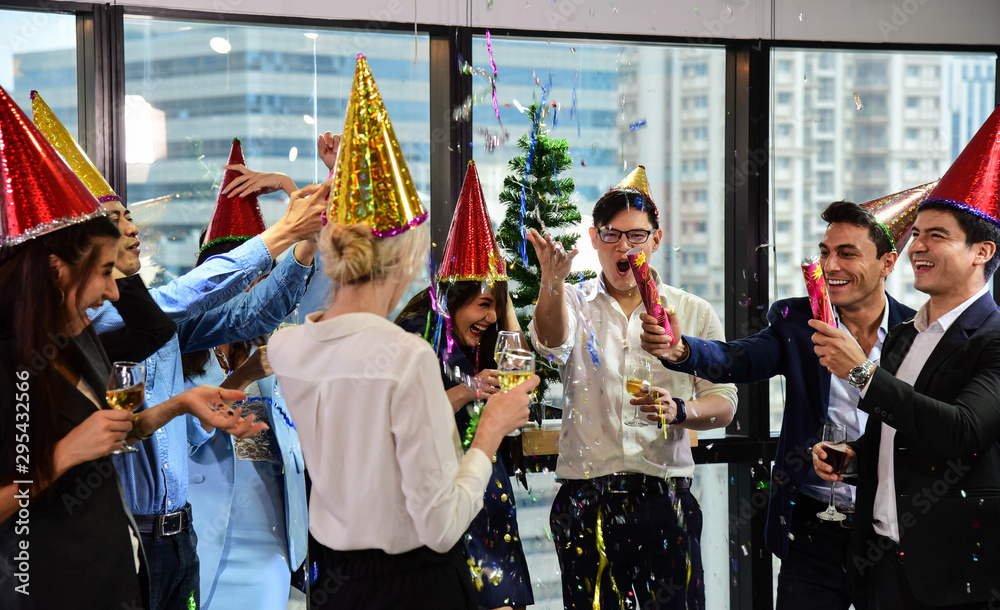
927	527
857	255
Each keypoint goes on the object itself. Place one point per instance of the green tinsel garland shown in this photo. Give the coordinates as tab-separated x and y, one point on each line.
470	431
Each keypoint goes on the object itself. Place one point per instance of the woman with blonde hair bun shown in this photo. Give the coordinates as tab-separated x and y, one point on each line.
391	494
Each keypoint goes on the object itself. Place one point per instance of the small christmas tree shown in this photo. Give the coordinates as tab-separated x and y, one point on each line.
538	176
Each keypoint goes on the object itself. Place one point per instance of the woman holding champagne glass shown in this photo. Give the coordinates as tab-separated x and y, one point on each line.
391	495
60	495
481	326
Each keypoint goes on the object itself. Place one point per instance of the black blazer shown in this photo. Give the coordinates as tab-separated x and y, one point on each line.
785	347
78	528
146	328
947	460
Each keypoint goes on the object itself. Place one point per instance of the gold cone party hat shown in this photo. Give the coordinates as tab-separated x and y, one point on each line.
56	133
471	252
897	212
636	182
371	182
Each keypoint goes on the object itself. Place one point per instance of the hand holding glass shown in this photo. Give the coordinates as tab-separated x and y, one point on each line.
515	366
637	385
834	437
126	388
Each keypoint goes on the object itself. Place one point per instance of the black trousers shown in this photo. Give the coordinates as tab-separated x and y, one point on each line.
373	579
814	573
651	534
890	591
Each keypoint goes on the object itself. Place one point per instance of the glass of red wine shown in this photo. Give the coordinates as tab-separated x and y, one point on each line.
835	446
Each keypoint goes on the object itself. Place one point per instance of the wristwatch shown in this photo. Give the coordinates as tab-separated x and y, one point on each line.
682	413
860	374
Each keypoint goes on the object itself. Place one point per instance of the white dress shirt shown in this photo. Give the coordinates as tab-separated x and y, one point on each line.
884	518
842	408
594	442
378	435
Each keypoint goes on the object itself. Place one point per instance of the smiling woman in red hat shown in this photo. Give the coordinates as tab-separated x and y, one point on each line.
473	281
66	534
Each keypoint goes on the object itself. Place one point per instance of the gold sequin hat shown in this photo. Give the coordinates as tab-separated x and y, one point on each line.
897	212
636	182
57	134
371	182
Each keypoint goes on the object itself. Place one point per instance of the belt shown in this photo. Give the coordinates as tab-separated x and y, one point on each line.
890	546
625	482
170	524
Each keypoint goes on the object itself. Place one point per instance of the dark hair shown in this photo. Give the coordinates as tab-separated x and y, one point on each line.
31	308
614	201
977	229
459	294
852	213
195	364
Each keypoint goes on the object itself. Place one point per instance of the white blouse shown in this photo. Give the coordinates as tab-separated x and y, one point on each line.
378	435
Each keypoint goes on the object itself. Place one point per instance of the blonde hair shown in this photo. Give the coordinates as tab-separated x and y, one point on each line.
352	255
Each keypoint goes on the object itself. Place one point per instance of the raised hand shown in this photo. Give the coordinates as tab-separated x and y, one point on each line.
553	260
328	147
260	182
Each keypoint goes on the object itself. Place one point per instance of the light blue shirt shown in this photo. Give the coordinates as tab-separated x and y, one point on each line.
842	408
210	308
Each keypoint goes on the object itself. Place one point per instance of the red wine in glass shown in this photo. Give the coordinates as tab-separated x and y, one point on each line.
836	456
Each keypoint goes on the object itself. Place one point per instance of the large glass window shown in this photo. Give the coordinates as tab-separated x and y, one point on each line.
191	87
38	51
618	106
878	123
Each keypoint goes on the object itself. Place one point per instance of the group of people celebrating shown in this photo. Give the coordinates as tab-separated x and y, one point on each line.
211	509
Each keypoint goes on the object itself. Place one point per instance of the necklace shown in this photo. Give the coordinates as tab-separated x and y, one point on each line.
223	361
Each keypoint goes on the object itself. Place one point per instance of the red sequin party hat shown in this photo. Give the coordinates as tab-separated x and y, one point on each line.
372	184
972	183
471	252
38	191
234	218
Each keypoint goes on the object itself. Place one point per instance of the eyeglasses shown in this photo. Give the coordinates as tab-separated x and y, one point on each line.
613	236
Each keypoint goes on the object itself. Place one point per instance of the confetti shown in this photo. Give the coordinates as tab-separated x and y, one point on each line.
857	102
637	125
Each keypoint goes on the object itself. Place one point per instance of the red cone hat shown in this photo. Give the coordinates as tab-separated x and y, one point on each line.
897	212
38	191
234	218
471	252
972	183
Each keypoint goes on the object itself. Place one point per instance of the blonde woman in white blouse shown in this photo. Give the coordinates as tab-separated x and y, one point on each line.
391	494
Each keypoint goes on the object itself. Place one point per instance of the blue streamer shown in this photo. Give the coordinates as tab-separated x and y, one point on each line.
270	403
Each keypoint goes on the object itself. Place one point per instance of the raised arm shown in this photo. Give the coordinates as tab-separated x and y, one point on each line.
550	318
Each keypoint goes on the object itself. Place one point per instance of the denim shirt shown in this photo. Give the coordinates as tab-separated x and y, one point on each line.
210	308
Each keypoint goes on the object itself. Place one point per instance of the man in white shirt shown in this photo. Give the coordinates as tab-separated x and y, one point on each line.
927	532
626	527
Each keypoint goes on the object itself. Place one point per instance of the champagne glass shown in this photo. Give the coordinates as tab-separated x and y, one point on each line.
834	443
126	388
515	366
506	339
637	385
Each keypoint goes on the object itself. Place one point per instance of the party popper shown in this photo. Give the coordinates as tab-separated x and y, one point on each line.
819	296
647	288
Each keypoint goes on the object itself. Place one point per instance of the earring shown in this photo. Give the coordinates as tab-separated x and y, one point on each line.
62	295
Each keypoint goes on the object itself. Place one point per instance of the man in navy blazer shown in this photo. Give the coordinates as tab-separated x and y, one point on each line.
927	528
857	256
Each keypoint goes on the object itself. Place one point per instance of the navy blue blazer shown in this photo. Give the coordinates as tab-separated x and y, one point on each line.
946	461
785	347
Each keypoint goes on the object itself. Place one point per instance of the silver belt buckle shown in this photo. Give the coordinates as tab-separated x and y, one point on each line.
171	525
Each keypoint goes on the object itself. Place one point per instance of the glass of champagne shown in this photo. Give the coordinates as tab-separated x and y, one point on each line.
515	366
126	388
506	339
637	385
835	445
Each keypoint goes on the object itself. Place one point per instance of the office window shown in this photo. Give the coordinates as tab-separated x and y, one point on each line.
38	51
191	87
880	146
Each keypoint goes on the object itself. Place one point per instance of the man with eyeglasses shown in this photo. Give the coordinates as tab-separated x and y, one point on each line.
626	528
